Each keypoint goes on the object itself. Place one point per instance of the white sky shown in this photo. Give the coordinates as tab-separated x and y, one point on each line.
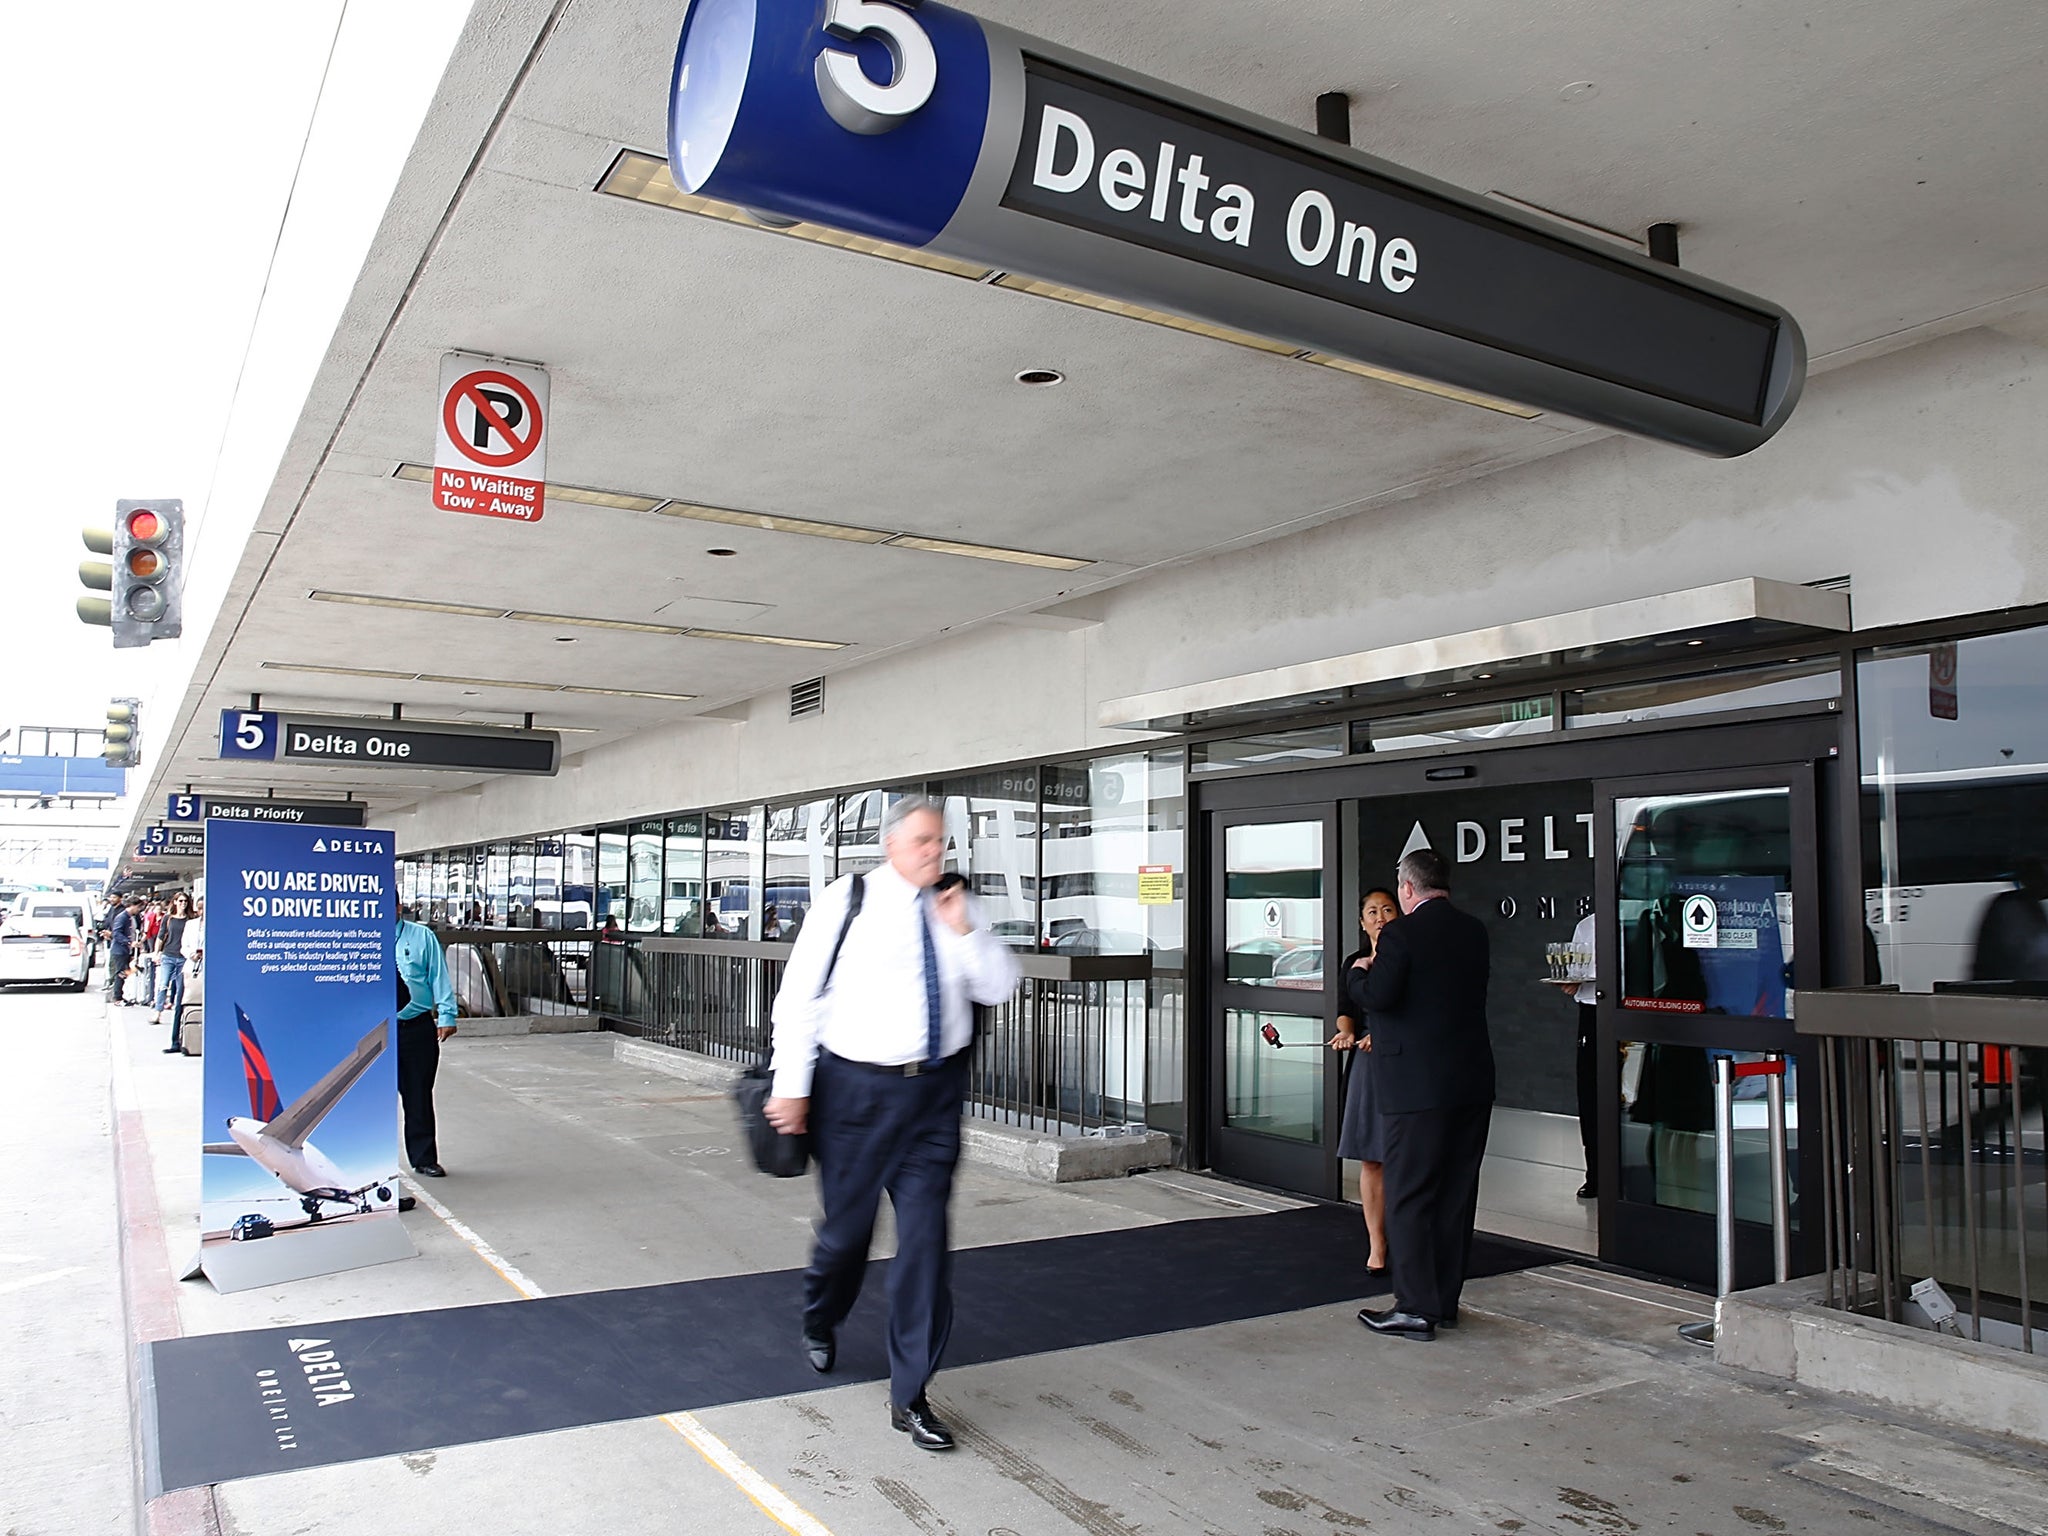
147	150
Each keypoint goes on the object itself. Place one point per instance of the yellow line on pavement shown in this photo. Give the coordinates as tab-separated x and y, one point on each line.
762	1494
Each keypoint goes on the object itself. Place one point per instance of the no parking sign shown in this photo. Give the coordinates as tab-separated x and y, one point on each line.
490	453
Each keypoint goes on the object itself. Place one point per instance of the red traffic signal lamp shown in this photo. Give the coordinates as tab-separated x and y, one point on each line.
145	579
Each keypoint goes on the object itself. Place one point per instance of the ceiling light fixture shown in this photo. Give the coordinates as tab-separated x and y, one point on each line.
631	626
624	693
1041	378
412	604
789	640
623	501
987	552
645	178
306	666
488	682
1421	386
721	554
769	523
630	693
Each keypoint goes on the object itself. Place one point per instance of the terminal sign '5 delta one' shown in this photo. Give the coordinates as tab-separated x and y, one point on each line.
913	122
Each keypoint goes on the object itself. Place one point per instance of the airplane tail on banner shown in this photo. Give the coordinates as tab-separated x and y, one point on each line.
264	1103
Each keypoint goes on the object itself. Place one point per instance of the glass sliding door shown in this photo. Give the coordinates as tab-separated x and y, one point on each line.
1273	1106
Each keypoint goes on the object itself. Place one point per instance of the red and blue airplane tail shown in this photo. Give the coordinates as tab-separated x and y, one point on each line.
264	1103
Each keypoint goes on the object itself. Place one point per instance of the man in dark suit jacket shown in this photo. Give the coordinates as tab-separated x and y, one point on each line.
1425	1000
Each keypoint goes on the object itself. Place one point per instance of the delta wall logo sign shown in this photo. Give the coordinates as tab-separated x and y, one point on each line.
913	122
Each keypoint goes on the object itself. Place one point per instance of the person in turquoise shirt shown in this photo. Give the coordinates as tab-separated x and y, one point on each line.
426	1017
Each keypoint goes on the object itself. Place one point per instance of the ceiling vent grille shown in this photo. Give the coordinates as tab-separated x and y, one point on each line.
807	698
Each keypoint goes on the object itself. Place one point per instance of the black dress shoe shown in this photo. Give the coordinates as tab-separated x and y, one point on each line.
1402	1325
406	1202
821	1349
1588	1192
1376	1271
1448	1322
923	1426
430	1170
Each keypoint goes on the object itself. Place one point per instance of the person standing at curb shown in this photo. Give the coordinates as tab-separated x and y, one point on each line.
426	1017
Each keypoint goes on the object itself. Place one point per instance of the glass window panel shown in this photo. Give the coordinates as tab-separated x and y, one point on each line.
497	897
682	904
1954	766
1268	750
733	871
1455	724
992	839
575	907
1704	899
643	877
519	885
549	880
1111	861
1273	904
800	864
470	897
1273	1074
611	876
1668	1136
1785	682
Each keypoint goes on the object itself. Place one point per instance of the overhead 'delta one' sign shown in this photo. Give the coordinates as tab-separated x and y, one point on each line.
491	439
923	125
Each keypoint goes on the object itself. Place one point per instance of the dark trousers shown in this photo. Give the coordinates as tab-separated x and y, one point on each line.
1432	1179
1589	1091
117	962
873	1133
419	1058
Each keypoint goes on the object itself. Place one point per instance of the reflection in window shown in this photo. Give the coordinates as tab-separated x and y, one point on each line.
1449	727
682	902
1667	1130
643	877
611	875
1111	857
1269	750
992	839
548	879
800	864
1273	1074
1704	892
577	908
1954	758
1784	682
732	872
1273	903
519	886
858	838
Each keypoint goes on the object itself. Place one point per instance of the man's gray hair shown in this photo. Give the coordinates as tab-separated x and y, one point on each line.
1426	870
903	810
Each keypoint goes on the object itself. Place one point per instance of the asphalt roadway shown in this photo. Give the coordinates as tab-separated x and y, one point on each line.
1566	1403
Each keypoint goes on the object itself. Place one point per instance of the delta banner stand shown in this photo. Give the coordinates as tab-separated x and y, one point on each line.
299	1167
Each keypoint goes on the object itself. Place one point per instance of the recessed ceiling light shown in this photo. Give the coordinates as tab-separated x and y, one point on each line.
1483	676
770	523
565	639
633	626
790	640
413	604
1695	642
723	554
1040	378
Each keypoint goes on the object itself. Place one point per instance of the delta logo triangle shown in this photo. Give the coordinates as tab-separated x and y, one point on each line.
1416	839
319	845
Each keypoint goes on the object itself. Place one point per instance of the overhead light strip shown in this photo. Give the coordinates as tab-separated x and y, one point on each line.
478	682
803	527
634	626
645	178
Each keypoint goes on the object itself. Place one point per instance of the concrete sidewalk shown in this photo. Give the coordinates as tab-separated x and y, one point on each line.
1565	1403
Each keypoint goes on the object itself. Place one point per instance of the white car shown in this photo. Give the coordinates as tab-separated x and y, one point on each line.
36	945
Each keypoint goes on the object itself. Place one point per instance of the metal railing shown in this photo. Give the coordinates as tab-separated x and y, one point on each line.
1931	1117
1086	1042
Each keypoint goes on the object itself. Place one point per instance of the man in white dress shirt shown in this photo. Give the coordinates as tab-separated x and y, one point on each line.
875	1069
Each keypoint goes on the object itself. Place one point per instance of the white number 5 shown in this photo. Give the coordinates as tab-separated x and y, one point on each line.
856	102
249	732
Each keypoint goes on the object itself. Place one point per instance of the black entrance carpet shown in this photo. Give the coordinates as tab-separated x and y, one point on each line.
225	1406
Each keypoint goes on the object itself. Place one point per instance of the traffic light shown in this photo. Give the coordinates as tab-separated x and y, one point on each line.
145	582
123	736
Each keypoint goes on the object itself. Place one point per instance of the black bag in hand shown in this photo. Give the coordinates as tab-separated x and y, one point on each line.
777	1155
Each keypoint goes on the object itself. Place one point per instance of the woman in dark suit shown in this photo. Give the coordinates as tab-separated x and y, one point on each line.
1360	1137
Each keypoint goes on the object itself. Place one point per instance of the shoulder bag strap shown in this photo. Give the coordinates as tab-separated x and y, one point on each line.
853	901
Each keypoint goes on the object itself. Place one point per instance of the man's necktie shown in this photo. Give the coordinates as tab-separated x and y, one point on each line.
932	1006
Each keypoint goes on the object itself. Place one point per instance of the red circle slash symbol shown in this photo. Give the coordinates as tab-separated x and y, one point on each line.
503	408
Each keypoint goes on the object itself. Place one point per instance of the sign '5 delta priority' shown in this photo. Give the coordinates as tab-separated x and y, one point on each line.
491	442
